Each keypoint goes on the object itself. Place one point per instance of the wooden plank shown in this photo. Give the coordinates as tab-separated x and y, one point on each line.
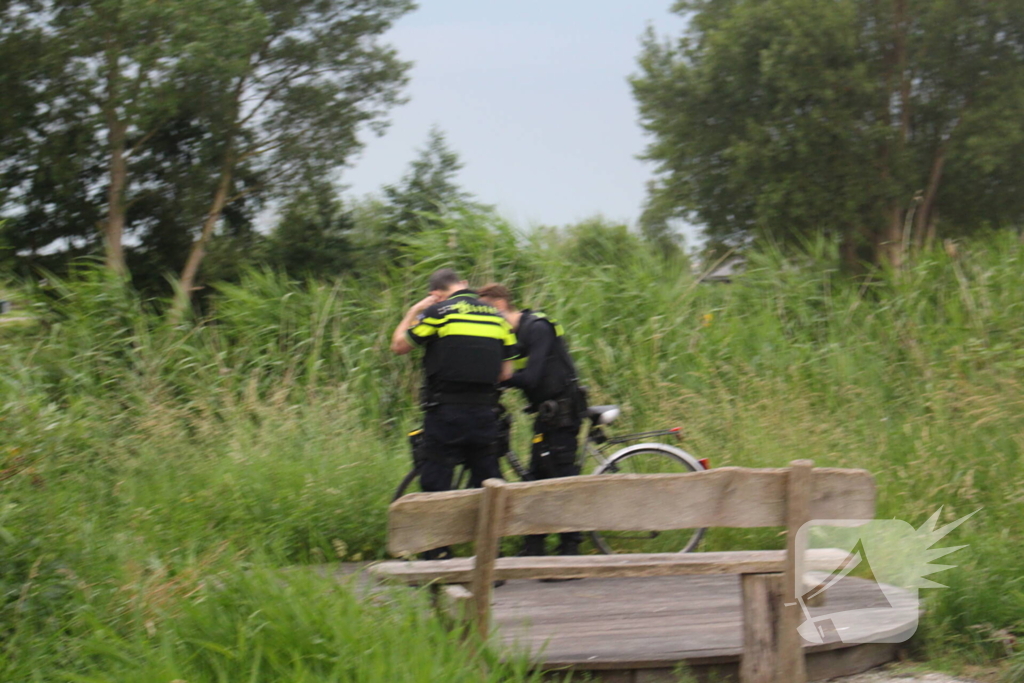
724	497
488	534
619	566
583	566
799	494
459	570
842	494
636	623
761	596
422	521
728	496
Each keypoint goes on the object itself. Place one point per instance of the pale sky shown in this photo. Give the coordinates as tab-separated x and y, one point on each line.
533	96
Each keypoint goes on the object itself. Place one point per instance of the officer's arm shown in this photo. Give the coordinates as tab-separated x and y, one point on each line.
400	343
542	336
506	371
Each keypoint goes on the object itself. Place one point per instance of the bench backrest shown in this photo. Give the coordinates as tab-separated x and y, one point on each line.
724	497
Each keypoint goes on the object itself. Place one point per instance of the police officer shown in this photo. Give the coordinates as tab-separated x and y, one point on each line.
547	377
468	350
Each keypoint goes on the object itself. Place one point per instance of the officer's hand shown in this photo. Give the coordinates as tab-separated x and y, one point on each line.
424	303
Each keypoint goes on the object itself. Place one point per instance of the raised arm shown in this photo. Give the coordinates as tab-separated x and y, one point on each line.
400	343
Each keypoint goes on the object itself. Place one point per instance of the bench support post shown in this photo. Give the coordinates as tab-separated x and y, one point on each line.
762	598
799	493
490	524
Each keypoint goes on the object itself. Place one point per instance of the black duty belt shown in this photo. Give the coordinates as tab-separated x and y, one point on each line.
490	399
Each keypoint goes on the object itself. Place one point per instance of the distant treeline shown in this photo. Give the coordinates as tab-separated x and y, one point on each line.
157	134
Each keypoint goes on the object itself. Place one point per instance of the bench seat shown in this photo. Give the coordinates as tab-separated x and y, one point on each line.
728	497
460	570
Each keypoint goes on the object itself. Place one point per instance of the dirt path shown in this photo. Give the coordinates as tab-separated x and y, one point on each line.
902	677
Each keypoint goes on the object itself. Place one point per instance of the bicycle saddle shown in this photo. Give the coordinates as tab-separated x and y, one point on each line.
603	415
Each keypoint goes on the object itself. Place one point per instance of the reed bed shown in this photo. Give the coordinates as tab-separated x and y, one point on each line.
153	477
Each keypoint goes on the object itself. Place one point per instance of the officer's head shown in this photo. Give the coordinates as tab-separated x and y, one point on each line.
497	295
445	282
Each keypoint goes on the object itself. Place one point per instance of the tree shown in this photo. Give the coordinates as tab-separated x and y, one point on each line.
171	118
305	78
600	242
312	236
865	119
103	79
427	189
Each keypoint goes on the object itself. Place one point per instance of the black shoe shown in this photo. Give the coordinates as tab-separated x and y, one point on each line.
444	553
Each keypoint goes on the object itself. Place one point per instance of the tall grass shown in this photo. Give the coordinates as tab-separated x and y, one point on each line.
139	459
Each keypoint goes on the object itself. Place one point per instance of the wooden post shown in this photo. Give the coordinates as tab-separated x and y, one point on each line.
489	527
762	596
792	667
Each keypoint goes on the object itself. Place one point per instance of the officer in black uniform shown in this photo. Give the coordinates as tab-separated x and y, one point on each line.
468	350
547	376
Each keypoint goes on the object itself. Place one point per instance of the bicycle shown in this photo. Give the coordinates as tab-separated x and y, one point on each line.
639	458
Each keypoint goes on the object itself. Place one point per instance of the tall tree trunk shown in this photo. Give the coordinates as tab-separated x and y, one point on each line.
923	220
930	234
186	285
113	230
889	242
850	258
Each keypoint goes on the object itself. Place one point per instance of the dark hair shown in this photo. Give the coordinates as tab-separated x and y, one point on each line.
496	290
443	279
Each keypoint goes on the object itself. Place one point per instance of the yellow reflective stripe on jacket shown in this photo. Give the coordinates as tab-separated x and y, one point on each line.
473	317
421	330
559	331
467	329
464	319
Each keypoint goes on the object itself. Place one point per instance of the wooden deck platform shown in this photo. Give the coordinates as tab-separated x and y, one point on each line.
641	629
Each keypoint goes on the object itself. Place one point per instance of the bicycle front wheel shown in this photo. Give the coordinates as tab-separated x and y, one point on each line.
648	458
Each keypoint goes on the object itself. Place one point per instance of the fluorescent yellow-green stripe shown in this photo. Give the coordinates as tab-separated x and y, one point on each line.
421	331
476	330
559	331
475	317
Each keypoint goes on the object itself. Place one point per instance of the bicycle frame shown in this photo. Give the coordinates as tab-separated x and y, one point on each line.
595	449
598	443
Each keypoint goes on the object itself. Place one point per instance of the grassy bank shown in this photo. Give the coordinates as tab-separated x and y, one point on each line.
139	460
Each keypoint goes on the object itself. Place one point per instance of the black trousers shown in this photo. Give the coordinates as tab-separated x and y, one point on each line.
458	434
554	455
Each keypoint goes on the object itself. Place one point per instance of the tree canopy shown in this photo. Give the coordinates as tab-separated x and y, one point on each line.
428	188
882	122
166	121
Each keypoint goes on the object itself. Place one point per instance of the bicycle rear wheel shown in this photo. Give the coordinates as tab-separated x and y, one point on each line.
411	481
648	458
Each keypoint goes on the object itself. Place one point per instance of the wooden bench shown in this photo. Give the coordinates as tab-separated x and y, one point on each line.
724	497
